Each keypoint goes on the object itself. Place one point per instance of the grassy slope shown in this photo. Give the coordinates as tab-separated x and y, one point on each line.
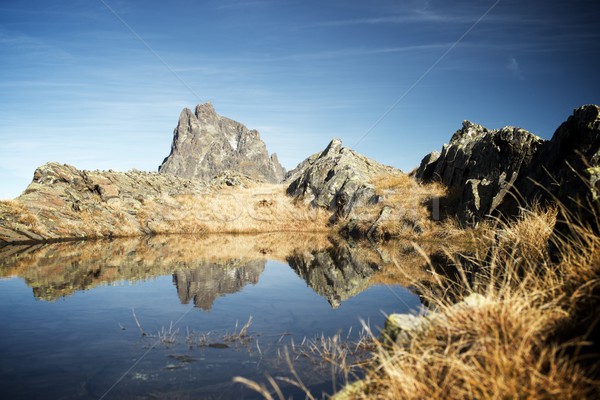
527	336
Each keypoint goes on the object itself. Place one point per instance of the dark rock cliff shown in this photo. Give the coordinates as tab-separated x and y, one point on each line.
497	172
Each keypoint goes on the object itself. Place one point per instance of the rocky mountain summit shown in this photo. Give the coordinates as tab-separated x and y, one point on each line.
490	172
338	179
206	144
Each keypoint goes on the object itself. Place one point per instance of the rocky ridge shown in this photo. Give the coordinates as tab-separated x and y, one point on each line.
338	179
206	144
495	172
64	202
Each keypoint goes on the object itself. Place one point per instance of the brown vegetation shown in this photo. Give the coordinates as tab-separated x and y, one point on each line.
526	334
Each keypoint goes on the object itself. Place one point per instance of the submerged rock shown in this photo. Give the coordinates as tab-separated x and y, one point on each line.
338	179
206	144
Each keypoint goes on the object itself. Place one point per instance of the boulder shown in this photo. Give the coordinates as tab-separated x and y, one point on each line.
337	179
480	166
206	144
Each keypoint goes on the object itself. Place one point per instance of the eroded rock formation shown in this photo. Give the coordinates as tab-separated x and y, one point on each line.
497	172
480	166
206	144
337	179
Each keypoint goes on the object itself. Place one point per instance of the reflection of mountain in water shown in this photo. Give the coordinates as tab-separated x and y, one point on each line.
204	268
211	280
337	273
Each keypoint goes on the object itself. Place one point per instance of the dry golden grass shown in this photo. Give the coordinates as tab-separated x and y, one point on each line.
261	208
527	328
18	216
255	208
511	342
411	207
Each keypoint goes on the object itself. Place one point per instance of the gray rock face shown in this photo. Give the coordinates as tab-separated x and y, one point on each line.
337	179
497	172
480	166
206	144
566	168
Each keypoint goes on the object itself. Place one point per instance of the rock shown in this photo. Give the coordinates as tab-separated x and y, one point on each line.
232	179
337	179
206	144
498	172
565	169
480	167
427	167
64	202
401	328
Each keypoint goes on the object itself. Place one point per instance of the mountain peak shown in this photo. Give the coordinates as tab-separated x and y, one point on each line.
206	144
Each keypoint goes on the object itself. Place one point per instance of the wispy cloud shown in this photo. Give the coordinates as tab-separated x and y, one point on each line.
513	66
408	18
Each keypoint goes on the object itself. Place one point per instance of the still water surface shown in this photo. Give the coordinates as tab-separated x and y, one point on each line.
68	330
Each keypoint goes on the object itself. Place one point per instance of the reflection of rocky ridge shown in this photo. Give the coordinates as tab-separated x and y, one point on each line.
215	264
211	280
204	268
337	274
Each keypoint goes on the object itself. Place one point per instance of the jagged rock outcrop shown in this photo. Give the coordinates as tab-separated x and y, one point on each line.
566	168
337	179
499	171
480	167
206	144
64	202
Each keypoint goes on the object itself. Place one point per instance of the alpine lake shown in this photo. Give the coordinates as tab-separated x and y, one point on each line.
179	317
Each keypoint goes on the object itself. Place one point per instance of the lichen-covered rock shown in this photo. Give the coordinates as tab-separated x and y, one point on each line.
427	167
206	144
337	179
480	167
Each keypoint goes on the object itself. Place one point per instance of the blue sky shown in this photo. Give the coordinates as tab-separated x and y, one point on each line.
78	87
